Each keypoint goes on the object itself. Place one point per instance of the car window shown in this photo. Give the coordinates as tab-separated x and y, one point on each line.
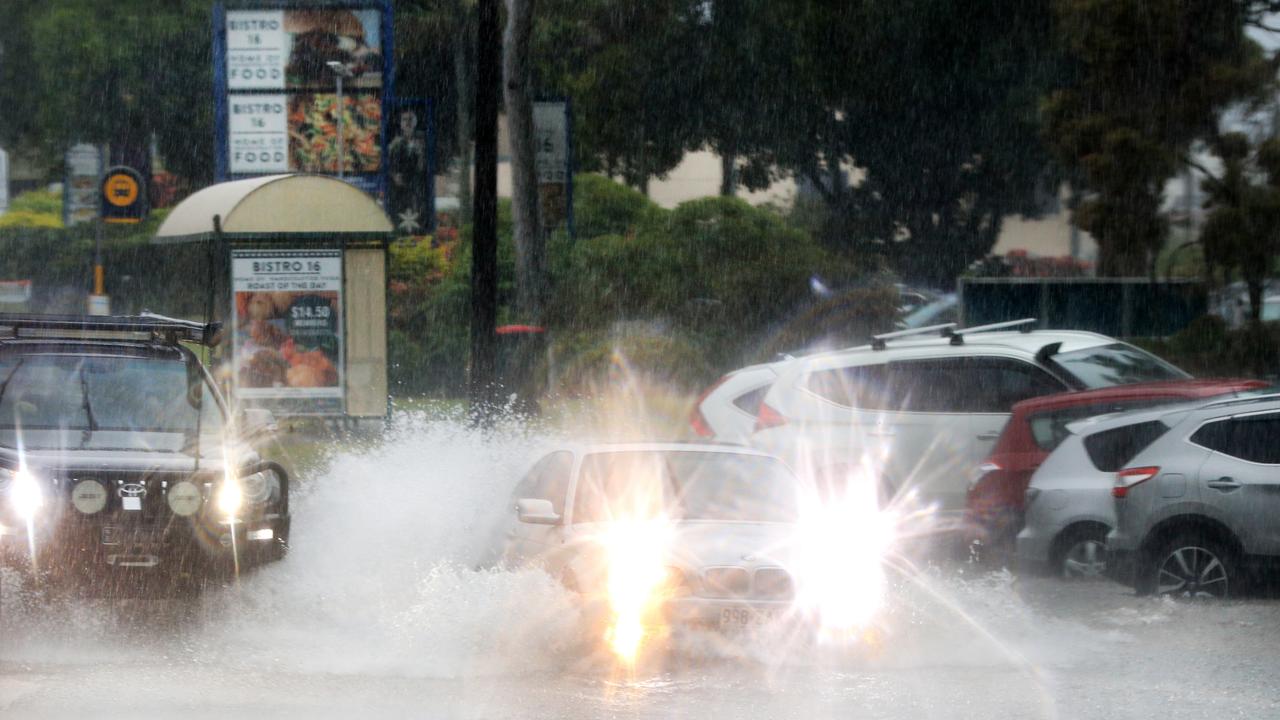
861	386
1049	428
968	384
1255	438
1116	364
1110	450
684	485
548	479
749	402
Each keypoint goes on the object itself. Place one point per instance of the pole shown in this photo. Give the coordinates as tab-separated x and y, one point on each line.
484	251
342	149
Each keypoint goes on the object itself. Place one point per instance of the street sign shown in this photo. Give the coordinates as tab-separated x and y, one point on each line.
81	201
124	197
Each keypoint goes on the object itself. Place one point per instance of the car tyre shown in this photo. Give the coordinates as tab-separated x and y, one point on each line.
1082	554
1192	565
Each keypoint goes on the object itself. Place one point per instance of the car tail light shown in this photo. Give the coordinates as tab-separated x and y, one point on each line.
768	418
1130	477
697	420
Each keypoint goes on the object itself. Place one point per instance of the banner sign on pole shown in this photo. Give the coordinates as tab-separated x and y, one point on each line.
410	196
278	102
552	160
124	196
287	346
4	181
81	195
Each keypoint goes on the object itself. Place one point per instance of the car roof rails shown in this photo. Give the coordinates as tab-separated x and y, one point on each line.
1024	326
1262	396
879	342
146	326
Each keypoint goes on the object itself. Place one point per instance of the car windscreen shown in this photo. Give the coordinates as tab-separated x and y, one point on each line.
1049	428
1110	450
128	396
684	485
1116	364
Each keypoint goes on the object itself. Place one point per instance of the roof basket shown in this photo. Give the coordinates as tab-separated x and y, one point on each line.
878	342
1024	326
146	326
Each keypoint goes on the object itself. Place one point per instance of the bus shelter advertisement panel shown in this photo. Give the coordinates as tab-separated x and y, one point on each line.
288	351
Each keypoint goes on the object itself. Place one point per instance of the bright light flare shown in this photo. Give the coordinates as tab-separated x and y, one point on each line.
842	541
25	495
635	552
230	497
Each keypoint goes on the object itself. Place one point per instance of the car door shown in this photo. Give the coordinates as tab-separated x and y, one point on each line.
548	480
1241	477
997	384
929	428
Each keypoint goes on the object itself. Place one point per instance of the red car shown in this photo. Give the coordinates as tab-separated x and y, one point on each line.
995	501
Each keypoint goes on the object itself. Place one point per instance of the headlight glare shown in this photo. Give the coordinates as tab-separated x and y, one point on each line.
261	487
25	494
230	497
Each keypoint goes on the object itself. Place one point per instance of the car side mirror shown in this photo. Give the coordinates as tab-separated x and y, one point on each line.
536	511
257	421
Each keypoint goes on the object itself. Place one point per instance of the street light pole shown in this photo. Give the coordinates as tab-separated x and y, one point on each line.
340	70
342	136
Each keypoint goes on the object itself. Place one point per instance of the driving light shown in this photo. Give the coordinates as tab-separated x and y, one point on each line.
230	497
88	496
25	494
262	534
183	498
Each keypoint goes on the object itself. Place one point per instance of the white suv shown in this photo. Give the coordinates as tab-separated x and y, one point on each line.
918	409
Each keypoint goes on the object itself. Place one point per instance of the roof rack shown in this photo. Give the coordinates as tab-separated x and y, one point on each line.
147	325
1243	399
943	330
1023	326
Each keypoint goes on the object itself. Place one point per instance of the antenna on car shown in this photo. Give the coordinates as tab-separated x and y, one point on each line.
878	342
1024	326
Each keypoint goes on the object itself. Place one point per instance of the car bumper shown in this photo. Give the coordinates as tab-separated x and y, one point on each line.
724	613
87	547
1032	549
1122	566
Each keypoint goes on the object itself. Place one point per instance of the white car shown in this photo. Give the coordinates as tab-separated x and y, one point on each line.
919	409
700	529
726	410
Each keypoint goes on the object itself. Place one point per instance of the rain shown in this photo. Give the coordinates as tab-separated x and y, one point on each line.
605	358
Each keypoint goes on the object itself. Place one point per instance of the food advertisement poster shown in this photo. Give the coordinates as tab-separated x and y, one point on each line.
279	108
291	49
287	330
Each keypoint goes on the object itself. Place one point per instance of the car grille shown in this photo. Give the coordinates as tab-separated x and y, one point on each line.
768	583
149	488
727	582
772	584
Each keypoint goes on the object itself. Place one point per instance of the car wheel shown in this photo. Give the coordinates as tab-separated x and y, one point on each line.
1193	566
1084	555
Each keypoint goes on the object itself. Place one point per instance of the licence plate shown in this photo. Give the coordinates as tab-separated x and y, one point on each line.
118	535
741	618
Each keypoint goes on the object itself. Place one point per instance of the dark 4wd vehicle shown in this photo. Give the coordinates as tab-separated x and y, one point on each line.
120	467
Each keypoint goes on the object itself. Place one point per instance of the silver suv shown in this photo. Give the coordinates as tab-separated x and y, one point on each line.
1199	507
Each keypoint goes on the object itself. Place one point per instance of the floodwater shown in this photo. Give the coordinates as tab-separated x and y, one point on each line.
379	612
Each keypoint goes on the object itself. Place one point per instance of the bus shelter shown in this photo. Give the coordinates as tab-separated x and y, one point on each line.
299	277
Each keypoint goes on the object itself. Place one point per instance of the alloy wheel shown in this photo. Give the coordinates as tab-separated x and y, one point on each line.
1085	560
1192	572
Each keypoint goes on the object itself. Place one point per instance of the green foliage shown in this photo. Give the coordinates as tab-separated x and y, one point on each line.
682	295
1149	78
34	209
1208	348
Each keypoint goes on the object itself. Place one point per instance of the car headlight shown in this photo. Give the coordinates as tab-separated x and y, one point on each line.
230	496
260	488
24	493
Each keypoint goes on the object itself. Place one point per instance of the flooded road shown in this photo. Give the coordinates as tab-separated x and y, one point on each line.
380	612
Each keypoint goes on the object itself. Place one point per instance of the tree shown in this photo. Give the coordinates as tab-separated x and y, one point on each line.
1148	78
1242	232
134	71
531	260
